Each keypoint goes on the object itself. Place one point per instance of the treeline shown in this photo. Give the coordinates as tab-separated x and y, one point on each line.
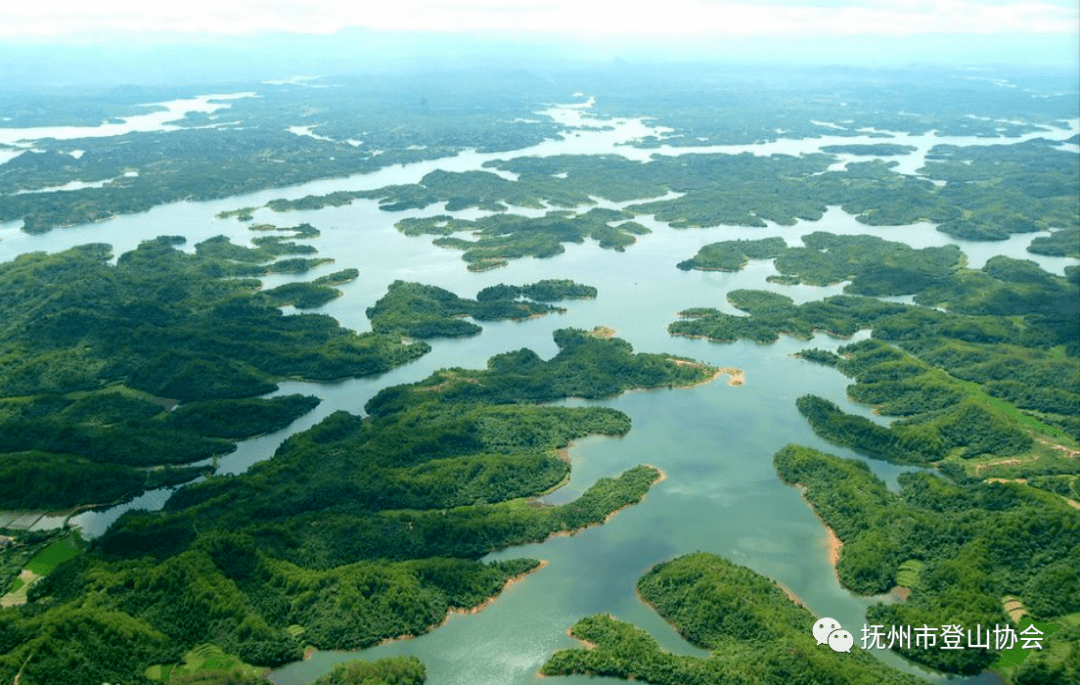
1064	242
1035	180
974	543
1009	327
771	314
358	530
946	418
502	237
428	311
754	632
548	290
398	670
732	255
91	353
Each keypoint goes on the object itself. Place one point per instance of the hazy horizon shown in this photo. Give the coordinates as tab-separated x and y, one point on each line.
140	43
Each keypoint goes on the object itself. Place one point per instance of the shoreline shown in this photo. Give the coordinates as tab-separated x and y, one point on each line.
791	594
833	543
510	582
661	477
736	375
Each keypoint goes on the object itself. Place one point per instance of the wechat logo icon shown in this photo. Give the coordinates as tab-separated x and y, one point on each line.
828	631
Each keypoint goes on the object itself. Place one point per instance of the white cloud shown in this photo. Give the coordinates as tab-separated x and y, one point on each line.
573	17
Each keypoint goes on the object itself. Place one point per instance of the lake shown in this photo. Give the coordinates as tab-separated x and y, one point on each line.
715	442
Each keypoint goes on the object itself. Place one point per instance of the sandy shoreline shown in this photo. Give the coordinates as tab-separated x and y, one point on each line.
568	533
833	544
736	376
791	594
510	582
659	479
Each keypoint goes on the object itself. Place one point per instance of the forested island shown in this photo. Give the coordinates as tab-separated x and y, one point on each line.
961	548
91	371
961	189
417	116
94	355
379	542
982	375
754	632
124	373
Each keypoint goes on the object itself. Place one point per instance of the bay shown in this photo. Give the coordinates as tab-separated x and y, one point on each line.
715	441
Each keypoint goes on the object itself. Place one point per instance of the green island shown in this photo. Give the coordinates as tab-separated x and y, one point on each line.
93	355
379	542
394	671
733	255
1034	179
961	549
427	311
502	237
754	632
998	347
1063	242
872	150
874	266
84	405
982	376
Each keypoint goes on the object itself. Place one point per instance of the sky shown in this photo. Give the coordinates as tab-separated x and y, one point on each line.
572	18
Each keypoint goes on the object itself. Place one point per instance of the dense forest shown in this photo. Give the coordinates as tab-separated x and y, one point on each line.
124	373
1005	336
959	547
93	354
380	541
754	632
964	190
428	311
362	124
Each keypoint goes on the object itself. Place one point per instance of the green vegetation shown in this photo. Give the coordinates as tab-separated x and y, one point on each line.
374	121
732	255
396	671
1001	354
971	543
207	665
956	424
754	632
1064	242
874	266
502	237
548	290
21	546
87	348
772	314
1035	178
52	556
428	311
238	419
874	150
1003	189
380	541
